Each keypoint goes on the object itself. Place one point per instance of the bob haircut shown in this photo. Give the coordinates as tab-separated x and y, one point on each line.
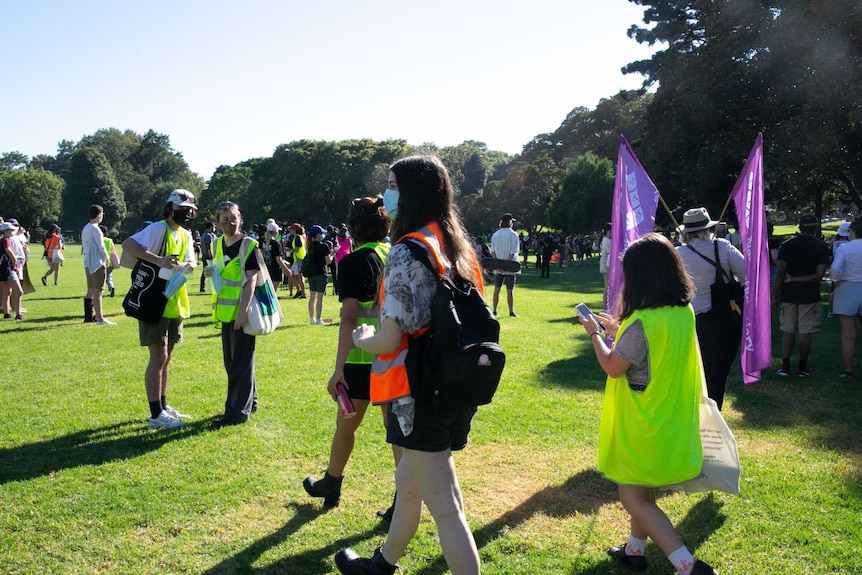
425	195
227	207
368	220
653	276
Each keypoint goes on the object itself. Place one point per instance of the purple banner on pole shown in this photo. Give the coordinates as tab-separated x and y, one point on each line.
635	202
756	348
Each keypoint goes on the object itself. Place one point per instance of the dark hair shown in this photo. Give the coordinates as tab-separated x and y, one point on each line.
653	276
425	195
104	230
369	221
95	210
856	228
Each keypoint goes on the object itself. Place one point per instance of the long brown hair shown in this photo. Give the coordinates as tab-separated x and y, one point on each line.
368	221
653	276
425	196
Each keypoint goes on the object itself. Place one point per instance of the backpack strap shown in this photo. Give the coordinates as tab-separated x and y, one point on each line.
420	253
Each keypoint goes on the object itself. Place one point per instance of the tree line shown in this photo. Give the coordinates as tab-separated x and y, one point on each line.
726	71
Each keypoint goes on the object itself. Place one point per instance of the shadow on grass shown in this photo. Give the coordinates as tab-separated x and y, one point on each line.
312	562
123	440
584	493
581	371
703	519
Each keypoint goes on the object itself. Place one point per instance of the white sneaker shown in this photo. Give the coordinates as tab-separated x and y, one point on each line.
171	411
164	421
104	321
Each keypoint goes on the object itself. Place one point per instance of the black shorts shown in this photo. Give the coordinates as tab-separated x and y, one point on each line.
358	377
435	427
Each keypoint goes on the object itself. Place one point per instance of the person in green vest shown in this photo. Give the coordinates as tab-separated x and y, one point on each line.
112	258
649	431
237	260
358	277
167	244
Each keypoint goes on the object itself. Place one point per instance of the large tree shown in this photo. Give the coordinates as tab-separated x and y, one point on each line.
733	68
91	181
32	196
585	197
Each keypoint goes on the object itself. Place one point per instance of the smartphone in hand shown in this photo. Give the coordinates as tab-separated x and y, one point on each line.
585	312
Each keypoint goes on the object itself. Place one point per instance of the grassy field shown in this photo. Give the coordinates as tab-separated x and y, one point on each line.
87	488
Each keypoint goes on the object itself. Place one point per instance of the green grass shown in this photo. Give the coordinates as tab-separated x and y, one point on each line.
87	488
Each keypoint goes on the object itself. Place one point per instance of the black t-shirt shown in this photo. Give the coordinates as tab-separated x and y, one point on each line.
358	274
232	252
271	252
318	253
802	254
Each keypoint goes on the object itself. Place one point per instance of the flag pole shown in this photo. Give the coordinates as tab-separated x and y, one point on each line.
726	205
669	213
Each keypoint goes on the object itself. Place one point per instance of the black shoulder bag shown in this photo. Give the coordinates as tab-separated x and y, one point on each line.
146	299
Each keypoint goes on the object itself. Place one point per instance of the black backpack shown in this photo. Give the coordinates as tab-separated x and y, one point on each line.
458	359
5	266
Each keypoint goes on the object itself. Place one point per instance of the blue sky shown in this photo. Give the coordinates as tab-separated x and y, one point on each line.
229	81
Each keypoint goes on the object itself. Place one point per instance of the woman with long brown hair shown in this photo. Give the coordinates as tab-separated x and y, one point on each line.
419	198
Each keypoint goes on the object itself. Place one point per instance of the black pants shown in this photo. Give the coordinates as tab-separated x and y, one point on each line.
546	266
238	350
718	349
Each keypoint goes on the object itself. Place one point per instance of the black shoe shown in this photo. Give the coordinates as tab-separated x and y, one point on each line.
112	292
297	296
328	487
701	568
512	314
220	422
633	562
349	563
44	281
386	514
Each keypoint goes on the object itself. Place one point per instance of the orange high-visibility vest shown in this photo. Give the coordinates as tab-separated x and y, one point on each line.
389	370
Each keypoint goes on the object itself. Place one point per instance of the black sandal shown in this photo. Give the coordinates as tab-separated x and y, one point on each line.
633	562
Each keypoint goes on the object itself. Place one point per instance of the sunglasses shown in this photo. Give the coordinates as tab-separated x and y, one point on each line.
227	206
184	197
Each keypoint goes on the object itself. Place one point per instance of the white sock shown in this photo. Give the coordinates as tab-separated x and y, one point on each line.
683	560
635	546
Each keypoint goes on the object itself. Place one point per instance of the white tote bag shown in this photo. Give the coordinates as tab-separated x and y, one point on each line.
720	471
264	311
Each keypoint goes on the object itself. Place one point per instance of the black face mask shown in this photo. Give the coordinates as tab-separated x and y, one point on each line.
182	216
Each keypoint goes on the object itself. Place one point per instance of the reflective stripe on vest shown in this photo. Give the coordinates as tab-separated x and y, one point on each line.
178	305
389	372
226	302
367	311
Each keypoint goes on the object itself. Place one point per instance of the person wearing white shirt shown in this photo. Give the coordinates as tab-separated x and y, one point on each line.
505	245
846	276
95	265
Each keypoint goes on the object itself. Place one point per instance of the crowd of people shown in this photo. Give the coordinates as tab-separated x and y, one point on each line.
663	329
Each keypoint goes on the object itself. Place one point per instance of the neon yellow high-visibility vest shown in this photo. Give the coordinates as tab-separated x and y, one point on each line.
368	311
178	305
226	302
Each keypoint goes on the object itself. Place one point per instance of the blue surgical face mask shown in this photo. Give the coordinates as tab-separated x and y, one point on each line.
390	202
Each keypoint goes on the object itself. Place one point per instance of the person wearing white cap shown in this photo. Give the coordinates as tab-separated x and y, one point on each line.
167	244
273	255
9	273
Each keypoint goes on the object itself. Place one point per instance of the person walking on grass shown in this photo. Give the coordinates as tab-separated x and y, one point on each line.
95	266
801	262
166	244
359	274
53	249
649	431
505	245
419	198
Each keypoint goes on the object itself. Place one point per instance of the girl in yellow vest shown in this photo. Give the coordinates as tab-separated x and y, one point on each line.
649	430
419	198
236	263
357	291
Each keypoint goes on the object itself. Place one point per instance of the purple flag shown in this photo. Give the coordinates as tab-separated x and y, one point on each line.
635	202
756	352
